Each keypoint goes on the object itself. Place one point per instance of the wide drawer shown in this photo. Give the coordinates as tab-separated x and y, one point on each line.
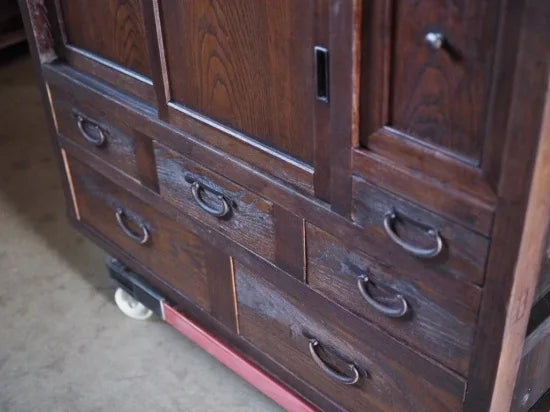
159	243
94	129
434	314
356	365
417	238
217	202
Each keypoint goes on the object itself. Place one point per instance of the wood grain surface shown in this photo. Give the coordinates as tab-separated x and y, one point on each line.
180	256
440	96
245	64
441	318
112	29
250	219
280	320
464	252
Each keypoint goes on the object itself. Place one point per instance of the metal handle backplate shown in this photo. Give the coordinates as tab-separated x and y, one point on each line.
415	250
393	312
221	210
98	140
337	376
140	238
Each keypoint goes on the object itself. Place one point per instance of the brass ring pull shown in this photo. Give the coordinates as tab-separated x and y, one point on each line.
416	251
392	312
344	379
222	210
96	141
142	238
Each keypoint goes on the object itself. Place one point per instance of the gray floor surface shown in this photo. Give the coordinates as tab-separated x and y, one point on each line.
64	345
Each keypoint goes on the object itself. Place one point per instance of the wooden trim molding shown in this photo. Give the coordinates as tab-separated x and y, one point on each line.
70	183
505	291
528	265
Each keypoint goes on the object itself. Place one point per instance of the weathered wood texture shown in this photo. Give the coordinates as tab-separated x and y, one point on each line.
543	286
531	252
533	377
250	218
118	146
463	255
514	253
290	239
224	93
441	313
278	321
171	250
221	286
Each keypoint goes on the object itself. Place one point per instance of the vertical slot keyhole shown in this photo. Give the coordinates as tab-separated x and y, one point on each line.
322	75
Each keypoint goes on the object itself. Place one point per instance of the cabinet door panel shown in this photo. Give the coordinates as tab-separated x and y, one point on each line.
439	94
248	65
433	92
111	29
426	103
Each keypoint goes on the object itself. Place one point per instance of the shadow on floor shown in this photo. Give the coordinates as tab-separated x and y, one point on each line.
30	184
63	345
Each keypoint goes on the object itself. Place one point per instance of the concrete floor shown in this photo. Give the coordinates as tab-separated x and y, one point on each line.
64	345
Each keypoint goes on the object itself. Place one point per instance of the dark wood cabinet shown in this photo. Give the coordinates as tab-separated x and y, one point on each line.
352	195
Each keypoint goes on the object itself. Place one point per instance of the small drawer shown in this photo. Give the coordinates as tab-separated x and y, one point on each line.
217	202
435	315
354	364
420	240
168	249
94	130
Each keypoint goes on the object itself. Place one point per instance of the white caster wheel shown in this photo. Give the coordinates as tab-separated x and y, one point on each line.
130	306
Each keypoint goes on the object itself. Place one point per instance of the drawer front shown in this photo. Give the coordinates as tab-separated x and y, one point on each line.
94	130
420	240
356	365
221	204
433	314
543	286
177	255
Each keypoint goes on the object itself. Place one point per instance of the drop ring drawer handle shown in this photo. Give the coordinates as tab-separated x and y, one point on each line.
392	312
346	380
94	140
222	210
140	238
416	251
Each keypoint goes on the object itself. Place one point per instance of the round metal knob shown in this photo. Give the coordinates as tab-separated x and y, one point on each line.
434	40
